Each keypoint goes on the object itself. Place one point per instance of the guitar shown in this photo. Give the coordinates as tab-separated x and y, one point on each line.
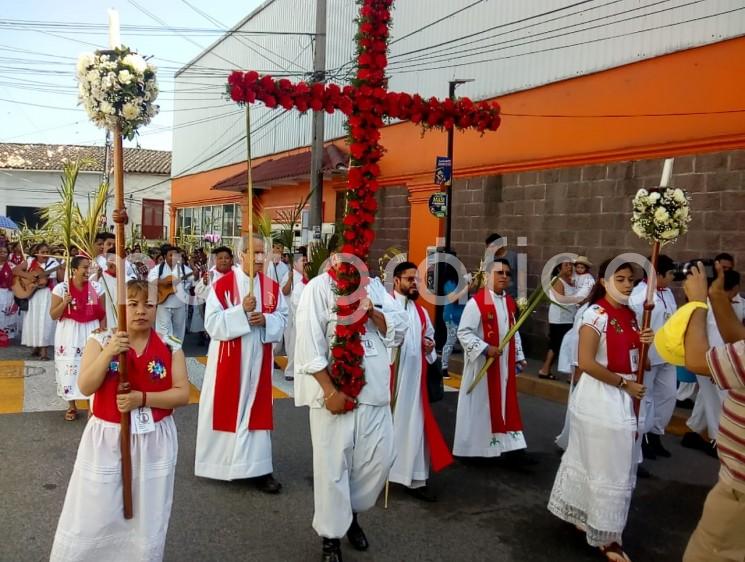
26	283
165	291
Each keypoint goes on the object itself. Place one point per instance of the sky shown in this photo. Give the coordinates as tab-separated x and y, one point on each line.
38	89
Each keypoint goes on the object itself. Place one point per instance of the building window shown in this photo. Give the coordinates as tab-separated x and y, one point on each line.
152	219
225	220
24	215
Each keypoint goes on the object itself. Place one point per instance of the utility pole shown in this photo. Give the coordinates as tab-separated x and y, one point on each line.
440	328
316	149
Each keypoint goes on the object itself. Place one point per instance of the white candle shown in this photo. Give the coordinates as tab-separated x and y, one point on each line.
114	40
667	172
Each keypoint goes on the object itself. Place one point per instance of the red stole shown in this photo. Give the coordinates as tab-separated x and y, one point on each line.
150	372
86	306
511	421
438	450
228	375
622	335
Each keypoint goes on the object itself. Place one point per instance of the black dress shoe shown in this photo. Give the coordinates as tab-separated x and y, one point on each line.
356	535
642	472
711	449
268	484
331	550
656	442
424	493
692	440
648	450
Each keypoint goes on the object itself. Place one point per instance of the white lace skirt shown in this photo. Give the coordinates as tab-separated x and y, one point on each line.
70	338
597	475
8	312
92	525
38	326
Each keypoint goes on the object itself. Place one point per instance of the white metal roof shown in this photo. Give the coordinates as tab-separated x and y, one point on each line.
505	45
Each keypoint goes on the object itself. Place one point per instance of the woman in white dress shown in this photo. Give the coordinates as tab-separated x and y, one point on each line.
8	307
38	326
92	527
79	305
597	475
560	316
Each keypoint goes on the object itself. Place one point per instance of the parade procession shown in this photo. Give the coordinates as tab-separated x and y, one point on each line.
372	280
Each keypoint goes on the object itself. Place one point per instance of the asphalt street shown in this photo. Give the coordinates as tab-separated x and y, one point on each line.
486	510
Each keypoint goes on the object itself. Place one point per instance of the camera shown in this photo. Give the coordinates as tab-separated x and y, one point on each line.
683	270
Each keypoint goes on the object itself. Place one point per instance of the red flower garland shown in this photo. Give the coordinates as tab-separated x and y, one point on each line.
367	102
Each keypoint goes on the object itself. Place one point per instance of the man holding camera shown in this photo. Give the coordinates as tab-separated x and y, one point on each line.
720	534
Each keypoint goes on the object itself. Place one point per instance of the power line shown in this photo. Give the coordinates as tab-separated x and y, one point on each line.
435	22
588	42
488	49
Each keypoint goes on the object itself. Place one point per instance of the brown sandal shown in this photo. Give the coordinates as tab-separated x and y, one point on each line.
614	553
71	414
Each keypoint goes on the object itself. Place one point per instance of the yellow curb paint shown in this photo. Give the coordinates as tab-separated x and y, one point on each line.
202	359
277	393
281	361
193	394
11	387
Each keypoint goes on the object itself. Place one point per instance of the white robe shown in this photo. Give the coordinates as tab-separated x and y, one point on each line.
244	454
352	452
411	467
108	282
473	434
38	326
294	300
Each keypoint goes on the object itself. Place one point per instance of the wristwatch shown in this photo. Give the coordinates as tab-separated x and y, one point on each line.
621	383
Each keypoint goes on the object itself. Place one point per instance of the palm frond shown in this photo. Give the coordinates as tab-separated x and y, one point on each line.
288	219
86	226
263	223
318	252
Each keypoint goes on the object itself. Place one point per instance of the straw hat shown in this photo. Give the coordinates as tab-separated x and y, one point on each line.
583	260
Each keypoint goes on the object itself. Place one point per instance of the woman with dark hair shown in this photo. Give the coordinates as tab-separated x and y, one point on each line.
38	327
79	305
91	526
597	475
560	316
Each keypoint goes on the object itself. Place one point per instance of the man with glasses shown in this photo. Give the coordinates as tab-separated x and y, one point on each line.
488	421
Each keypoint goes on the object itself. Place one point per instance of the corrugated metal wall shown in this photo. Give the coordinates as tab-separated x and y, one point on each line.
505	45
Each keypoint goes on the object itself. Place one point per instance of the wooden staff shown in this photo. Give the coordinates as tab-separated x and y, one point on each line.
667	171
123	387
250	189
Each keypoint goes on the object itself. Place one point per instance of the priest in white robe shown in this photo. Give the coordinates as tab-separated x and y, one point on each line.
293	284
417	436
235	406
352	449
488	421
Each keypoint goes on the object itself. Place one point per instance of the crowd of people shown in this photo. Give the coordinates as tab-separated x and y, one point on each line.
254	305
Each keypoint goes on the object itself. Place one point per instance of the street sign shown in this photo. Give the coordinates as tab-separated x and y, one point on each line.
438	204
443	170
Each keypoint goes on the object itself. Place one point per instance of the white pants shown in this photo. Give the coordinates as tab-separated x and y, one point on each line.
352	455
171	321
708	408
661	381
686	390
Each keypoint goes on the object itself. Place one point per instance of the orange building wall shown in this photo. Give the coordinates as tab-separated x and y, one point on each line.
706	79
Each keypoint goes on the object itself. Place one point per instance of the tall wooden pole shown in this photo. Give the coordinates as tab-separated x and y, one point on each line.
250	190
667	172
123	387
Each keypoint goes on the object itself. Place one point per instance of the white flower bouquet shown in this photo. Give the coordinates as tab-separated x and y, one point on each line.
117	86
661	215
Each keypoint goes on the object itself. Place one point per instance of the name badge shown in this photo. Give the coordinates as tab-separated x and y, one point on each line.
142	420
634	359
370	349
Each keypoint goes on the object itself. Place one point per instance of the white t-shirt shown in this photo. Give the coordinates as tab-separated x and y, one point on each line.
181	296
563	314
583	284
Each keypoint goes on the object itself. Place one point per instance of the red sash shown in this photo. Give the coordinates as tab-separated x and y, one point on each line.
228	375
438	450
85	306
622	335
150	372
511	420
